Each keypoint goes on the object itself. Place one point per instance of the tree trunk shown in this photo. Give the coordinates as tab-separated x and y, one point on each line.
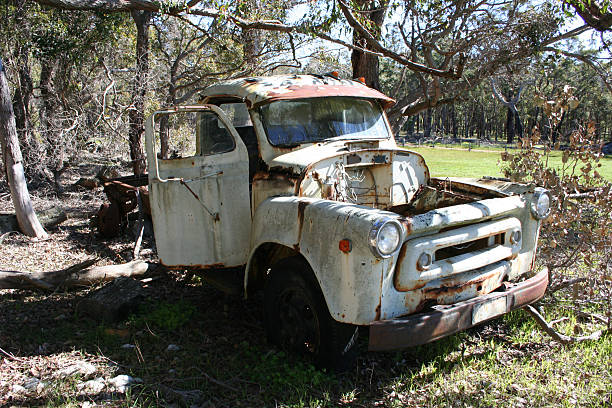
251	39
518	125
164	120
454	122
21	100
366	65
509	126
23	92
56	149
139	91
427	124
11	153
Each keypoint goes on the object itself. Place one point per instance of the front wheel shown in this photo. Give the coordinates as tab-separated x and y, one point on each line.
297	318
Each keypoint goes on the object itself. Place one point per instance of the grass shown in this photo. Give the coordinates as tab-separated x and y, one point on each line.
444	162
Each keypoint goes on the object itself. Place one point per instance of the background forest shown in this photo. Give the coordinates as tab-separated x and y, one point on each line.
82	81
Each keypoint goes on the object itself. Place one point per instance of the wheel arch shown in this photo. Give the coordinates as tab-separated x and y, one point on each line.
263	258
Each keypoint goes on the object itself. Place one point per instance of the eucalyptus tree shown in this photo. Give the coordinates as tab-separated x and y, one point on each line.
53	57
13	164
449	46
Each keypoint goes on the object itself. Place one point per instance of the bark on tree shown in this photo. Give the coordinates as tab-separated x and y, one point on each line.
21	98
366	65
593	13
454	122
48	118
139	91
13	164
25	88
510	125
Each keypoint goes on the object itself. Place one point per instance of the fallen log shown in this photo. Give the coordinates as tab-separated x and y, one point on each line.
82	274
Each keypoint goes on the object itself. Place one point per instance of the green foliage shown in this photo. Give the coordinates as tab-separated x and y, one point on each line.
165	316
575	239
283	374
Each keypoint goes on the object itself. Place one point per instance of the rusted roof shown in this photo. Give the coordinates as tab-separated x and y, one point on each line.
259	90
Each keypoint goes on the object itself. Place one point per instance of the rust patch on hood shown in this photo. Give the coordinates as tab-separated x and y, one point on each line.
300	215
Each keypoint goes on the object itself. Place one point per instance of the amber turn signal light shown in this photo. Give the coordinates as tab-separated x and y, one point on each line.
345	245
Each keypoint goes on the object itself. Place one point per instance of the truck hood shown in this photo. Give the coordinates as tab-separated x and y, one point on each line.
298	160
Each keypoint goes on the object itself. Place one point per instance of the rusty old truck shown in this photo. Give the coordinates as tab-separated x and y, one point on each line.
295	186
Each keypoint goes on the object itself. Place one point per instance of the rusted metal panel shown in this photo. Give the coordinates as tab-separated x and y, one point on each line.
465	214
200	204
310	198
378	178
445	320
350	282
462	285
486	185
408	275
258	90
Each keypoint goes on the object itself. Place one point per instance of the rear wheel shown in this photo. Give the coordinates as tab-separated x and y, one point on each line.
297	318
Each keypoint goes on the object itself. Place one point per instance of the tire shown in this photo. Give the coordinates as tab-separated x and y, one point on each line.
297	318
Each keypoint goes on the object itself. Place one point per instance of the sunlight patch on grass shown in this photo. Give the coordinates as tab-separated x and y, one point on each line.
443	162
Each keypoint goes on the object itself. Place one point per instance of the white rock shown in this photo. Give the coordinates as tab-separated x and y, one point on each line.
40	387
18	389
123	382
31	383
172	347
95	386
86	370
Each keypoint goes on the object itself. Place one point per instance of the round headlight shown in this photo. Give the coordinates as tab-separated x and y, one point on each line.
385	238
540	204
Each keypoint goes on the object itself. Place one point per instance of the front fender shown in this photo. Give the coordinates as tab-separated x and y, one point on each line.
351	282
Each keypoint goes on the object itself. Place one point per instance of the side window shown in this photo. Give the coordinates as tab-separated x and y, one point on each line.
237	113
213	135
175	135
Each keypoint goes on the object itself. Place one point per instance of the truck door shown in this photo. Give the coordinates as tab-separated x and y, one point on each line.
200	195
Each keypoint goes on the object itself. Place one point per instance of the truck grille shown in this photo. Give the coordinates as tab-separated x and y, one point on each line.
453	253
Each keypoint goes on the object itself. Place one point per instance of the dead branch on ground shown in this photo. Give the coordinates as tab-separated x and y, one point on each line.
561	338
81	274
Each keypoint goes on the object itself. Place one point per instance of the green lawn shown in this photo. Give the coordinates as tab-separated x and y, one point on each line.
465	163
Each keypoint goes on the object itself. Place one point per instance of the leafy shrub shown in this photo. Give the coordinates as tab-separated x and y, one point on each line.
576	240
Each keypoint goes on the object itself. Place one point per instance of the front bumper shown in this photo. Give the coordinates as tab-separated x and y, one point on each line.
445	320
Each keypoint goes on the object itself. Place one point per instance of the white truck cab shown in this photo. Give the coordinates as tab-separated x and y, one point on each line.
296	184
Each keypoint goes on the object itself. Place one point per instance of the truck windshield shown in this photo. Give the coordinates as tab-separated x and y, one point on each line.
293	122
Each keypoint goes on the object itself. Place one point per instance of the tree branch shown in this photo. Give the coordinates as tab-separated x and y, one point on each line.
586	60
377	46
561	338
